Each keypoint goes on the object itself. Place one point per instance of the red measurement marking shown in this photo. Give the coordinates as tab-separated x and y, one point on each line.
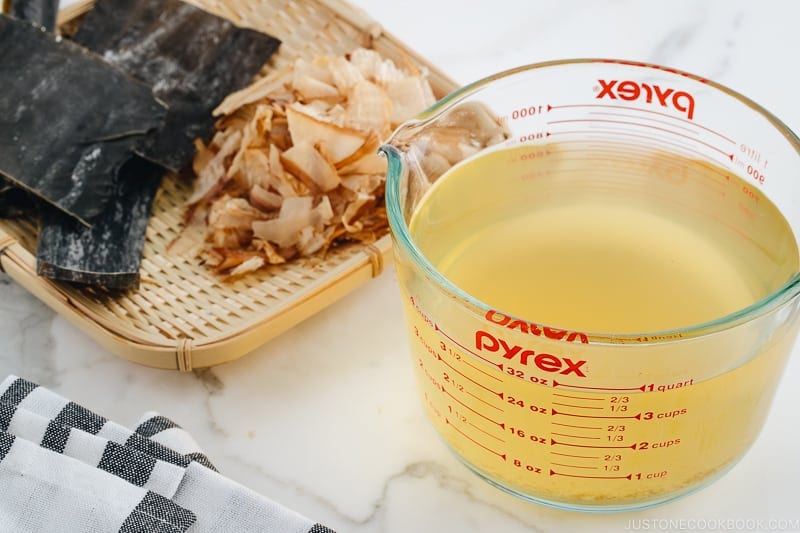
678	134
486	432
484	401
578	406
575	436
501	424
655	140
575	466
554	473
726	176
557	384
578	456
476	442
553	442
457	371
478	369
608	158
637	416
576	397
580	172
718	134
610	153
626	115
479	356
573	426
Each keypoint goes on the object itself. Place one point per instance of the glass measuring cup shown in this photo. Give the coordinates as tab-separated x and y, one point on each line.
639	363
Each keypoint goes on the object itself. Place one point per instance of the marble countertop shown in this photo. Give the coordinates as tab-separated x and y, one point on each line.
325	418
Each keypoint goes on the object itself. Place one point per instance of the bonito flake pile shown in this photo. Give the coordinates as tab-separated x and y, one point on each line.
293	167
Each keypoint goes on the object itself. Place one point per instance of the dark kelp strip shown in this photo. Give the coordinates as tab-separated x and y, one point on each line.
14	201
109	253
68	120
192	58
40	12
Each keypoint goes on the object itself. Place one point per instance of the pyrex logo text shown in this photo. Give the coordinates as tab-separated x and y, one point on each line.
543	361
631	90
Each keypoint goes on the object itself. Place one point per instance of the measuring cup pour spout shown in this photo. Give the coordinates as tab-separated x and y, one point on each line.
424	148
601	287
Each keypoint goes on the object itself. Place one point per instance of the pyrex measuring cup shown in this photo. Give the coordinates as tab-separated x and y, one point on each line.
599	266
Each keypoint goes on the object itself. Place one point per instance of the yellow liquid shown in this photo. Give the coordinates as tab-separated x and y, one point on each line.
599	238
602	245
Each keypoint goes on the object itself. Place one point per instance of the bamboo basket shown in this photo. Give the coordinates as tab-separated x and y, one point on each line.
183	317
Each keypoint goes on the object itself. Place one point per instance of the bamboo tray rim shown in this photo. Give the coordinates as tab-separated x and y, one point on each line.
189	353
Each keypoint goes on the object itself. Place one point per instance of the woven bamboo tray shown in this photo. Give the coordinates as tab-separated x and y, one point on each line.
183	317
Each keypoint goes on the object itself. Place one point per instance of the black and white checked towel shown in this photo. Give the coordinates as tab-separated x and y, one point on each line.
66	468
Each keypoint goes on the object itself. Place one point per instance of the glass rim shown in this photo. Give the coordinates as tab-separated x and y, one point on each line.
402	236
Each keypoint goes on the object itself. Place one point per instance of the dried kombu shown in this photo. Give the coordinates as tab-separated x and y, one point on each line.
40	12
68	120
14	202
191	58
109	253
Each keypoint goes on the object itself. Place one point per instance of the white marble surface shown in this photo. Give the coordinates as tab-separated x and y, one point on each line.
325	418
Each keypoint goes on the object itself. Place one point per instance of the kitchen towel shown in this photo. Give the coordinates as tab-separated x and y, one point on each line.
66	468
